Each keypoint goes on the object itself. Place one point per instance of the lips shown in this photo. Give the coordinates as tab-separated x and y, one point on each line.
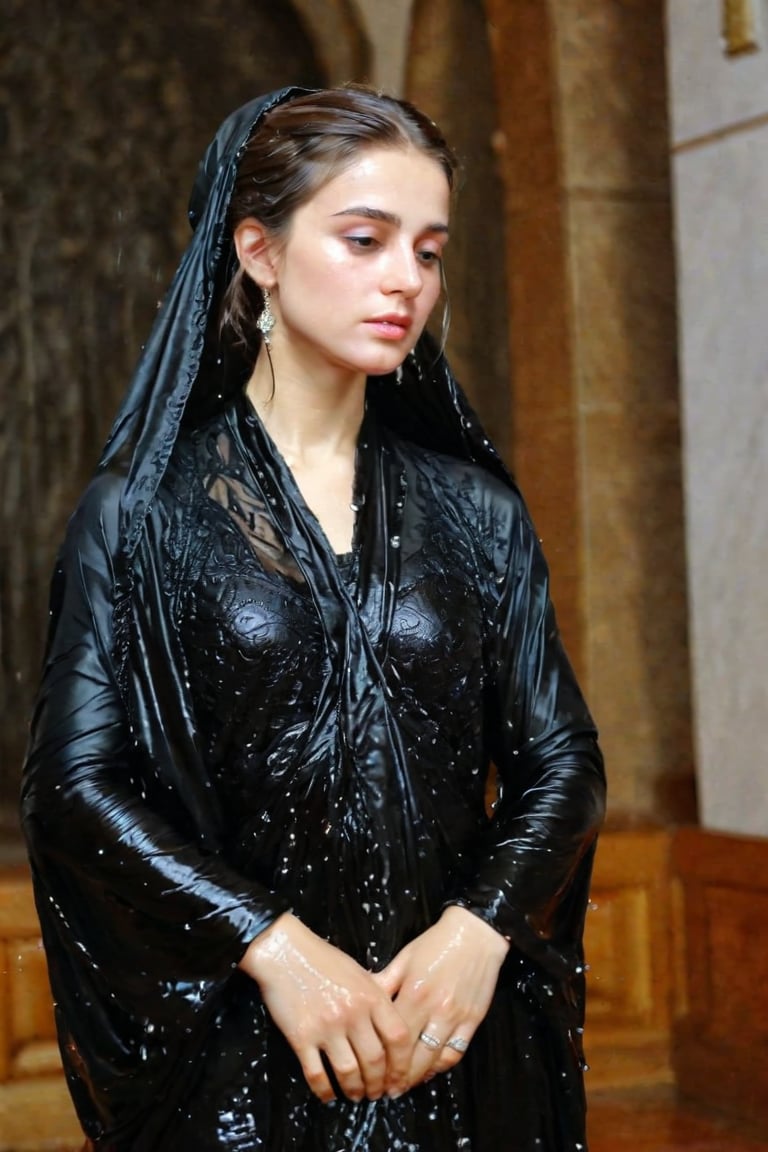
391	324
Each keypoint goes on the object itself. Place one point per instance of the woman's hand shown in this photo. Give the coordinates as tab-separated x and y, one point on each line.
324	1002
442	984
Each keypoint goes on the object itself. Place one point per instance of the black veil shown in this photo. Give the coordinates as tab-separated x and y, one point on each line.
185	370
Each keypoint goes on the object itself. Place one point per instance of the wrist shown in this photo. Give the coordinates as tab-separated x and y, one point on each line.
269	946
467	921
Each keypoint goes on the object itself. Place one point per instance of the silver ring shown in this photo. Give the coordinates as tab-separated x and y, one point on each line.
430	1041
457	1043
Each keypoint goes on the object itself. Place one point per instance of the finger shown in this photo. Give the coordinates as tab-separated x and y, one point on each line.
397	1040
371	1059
391	977
455	1047
346	1067
427	1051
316	1075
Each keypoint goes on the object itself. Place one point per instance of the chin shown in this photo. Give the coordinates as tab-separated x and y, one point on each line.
377	363
379	371
386	365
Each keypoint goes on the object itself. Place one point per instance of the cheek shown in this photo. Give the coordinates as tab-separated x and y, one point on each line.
431	293
331	277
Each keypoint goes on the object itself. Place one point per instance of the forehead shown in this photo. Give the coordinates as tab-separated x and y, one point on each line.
393	179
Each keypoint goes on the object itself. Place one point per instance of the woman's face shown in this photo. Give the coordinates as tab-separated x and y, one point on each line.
358	274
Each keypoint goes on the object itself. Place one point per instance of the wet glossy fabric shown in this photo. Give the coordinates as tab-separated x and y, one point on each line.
233	723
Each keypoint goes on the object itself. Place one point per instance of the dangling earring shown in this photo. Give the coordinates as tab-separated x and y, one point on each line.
266	321
399	374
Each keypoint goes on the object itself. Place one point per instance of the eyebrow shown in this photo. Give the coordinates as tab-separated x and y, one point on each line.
386	217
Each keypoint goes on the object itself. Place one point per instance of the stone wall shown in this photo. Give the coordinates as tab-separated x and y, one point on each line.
720	160
104	114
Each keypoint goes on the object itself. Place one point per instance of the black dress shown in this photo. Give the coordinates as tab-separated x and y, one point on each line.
287	731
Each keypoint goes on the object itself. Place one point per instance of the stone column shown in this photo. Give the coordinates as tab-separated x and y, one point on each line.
450	75
581	85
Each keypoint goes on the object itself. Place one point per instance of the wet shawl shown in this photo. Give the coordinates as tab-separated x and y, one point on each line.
233	721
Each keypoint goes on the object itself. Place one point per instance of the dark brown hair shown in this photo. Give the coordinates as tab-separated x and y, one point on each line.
296	148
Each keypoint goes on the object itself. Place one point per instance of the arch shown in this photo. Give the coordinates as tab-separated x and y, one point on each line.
338	36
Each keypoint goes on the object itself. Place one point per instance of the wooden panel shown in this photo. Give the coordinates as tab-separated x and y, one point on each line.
35	1109
621	989
32	1028
5	1026
36	1115
17	908
721	1044
631	951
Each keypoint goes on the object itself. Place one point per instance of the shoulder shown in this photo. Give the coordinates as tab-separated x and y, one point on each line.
488	514
488	501
96	518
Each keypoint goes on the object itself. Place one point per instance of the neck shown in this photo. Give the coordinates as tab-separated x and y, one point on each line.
308	419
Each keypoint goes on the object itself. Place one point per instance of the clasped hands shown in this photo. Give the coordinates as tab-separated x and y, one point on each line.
382	1032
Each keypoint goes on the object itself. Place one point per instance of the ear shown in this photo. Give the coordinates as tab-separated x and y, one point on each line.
256	251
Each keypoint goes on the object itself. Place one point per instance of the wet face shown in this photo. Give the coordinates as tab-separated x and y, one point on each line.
358	274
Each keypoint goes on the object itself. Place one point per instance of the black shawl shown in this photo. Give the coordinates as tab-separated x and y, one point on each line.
151	874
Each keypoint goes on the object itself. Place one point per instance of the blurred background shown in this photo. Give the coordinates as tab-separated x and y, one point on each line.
608	272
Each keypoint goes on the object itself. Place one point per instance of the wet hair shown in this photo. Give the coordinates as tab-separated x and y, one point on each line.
296	148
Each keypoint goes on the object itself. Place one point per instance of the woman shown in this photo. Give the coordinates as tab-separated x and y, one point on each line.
298	612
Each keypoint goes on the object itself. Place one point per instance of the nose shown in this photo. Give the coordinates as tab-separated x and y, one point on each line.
402	274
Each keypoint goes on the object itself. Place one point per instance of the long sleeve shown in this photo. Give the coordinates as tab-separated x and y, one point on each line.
119	874
531	880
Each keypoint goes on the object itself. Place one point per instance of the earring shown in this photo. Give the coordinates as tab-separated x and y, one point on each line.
266	321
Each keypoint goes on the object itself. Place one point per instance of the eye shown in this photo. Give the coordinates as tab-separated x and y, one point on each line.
427	256
362	242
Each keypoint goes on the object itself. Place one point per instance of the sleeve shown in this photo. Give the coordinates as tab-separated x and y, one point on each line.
116	877
532	876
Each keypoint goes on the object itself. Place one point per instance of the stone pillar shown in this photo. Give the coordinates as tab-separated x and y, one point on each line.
720	163
581	87
387	27
545	439
450	75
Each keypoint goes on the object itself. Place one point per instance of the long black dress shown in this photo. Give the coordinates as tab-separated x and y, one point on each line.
252	724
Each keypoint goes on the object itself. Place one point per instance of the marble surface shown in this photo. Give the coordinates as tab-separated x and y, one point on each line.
711	91
722	238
